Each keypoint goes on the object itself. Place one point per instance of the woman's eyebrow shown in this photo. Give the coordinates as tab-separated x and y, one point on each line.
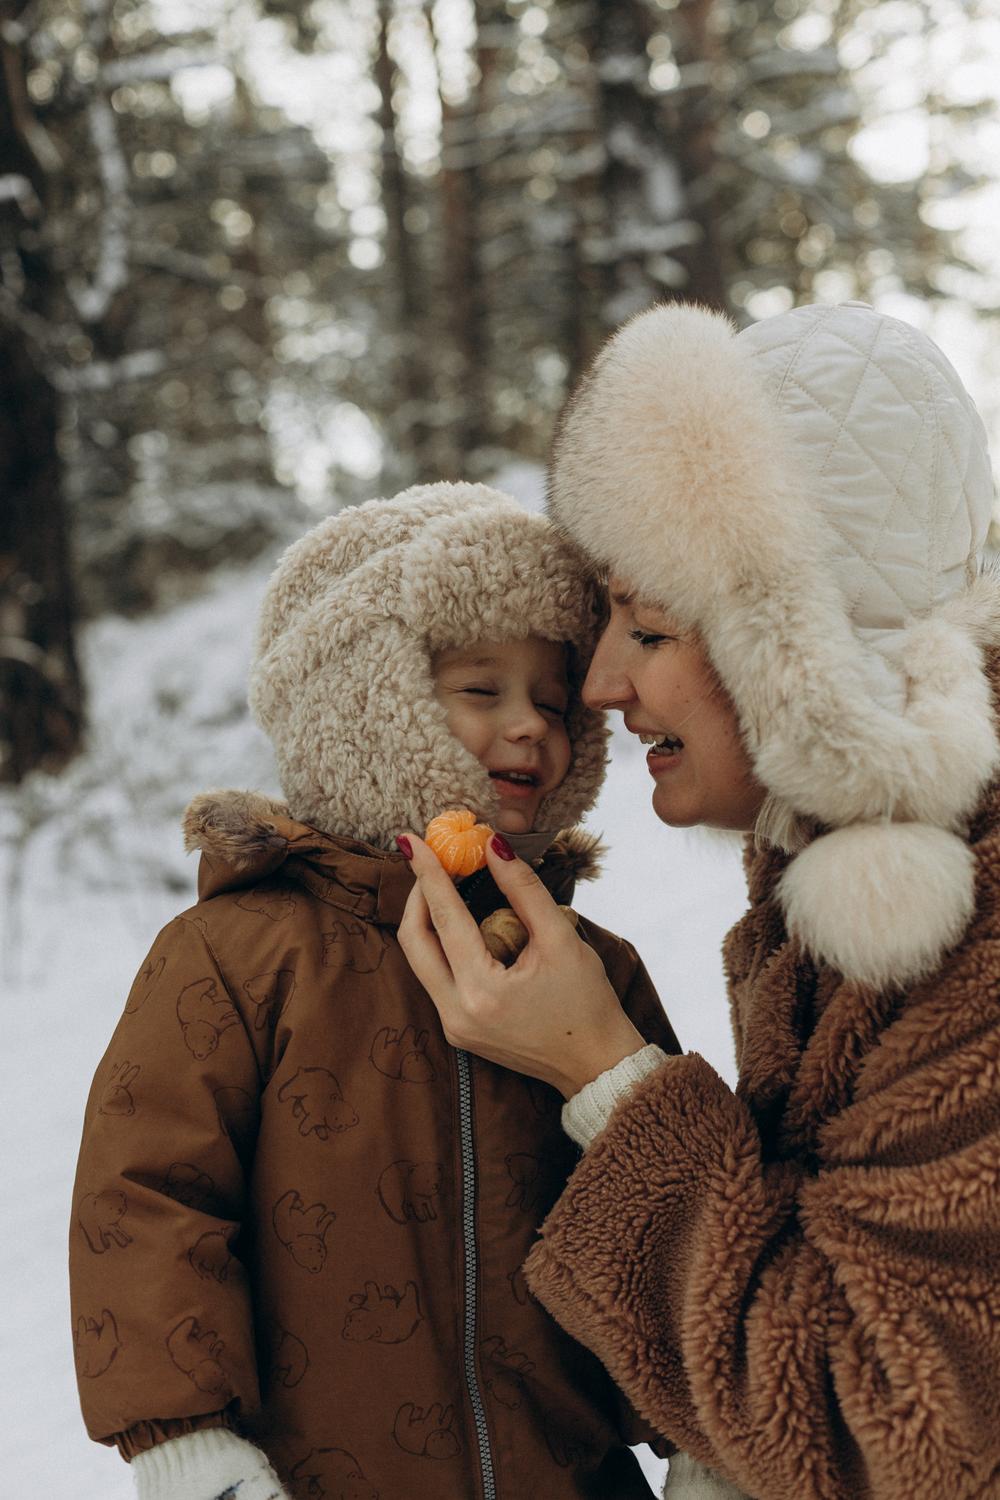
623	600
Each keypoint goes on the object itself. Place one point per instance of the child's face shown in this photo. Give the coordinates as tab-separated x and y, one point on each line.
506	702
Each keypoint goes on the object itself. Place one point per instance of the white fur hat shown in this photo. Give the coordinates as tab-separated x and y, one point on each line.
812	496
341	679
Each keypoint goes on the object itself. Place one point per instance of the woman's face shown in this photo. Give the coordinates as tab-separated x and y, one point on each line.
664	686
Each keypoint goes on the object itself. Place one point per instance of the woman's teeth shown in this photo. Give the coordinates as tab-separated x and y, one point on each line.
523	778
667	745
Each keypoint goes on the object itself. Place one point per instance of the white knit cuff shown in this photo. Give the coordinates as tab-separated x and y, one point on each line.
585	1115
205	1465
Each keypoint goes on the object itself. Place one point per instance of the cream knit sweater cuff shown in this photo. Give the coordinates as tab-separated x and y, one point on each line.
585	1115
205	1465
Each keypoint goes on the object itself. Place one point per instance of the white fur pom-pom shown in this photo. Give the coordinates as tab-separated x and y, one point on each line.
881	902
690	1480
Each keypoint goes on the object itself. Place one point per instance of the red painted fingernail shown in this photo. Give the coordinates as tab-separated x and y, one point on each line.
500	846
404	846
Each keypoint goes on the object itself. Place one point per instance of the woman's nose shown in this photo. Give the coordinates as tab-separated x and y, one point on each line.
606	684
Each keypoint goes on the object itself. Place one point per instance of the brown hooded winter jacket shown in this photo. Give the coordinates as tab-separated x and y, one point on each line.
300	1213
799	1283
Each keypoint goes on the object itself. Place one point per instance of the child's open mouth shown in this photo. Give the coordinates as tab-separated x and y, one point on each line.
515	783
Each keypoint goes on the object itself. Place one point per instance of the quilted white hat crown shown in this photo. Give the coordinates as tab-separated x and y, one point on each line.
812	496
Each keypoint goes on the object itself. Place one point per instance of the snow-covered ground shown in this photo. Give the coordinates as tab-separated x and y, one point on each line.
91	867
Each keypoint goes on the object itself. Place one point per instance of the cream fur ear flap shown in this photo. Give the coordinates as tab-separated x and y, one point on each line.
881	902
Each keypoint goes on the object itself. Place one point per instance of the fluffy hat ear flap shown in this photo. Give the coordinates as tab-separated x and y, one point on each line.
880	902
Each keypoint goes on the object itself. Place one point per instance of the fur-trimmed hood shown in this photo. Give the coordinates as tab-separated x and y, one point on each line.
812	497
244	837
342	676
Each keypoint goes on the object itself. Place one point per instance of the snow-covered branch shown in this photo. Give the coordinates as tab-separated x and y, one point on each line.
104	375
183	264
149	67
111	272
17	189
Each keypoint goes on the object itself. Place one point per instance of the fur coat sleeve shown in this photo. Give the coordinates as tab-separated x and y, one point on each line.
798	1282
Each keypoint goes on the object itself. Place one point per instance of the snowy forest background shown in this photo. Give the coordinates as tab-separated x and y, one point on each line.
263	258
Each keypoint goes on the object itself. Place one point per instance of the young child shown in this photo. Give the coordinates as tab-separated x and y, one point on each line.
300	1216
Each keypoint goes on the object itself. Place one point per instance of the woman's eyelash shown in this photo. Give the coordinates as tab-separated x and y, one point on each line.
645	638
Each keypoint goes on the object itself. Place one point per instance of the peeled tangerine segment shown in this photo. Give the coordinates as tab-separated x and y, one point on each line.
459	841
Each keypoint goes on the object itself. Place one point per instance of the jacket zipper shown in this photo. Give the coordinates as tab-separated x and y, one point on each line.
471	1273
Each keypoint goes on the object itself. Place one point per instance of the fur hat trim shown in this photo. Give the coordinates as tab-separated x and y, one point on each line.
235	827
812	498
342	679
880	902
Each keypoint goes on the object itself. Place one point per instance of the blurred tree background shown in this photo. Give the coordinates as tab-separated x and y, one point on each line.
260	258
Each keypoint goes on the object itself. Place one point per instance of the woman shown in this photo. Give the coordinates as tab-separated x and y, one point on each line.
797	1283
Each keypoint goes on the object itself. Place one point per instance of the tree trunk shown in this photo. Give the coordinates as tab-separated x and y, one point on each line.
465	292
410	423
41	696
694	135
660	158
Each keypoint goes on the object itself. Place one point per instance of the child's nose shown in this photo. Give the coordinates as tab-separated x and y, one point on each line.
527	723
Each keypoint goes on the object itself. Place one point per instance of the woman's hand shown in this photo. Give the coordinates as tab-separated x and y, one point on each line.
552	1015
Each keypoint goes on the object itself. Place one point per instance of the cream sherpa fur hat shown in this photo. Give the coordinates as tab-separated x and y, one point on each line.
812	496
341	679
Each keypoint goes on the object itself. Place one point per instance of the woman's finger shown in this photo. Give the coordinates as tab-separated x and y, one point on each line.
456	928
525	893
422	947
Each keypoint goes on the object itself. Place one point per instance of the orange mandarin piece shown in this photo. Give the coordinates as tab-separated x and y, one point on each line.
458	841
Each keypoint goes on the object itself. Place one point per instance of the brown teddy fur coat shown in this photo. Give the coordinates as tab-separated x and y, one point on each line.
799	1282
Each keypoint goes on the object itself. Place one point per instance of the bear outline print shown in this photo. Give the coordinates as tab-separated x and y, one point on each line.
117	1097
318	1103
204	1015
265	901
210	1255
332	1473
506	1371
100	1217
363	943
269	993
289	1358
407	1190
402	1054
383	1315
525	1172
196	1352
187	1184
96	1343
426	1432
303	1230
